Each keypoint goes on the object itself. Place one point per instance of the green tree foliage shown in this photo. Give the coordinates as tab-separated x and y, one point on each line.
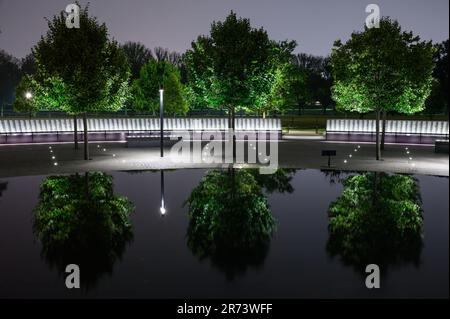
290	87
230	221
377	219
93	69
234	67
51	94
27	84
145	89
438	99
79	220
174	58
382	69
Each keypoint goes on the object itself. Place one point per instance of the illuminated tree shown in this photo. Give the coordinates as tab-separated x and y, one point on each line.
33	96
382	69
79	220
234	67
145	90
290	87
376	220
89	69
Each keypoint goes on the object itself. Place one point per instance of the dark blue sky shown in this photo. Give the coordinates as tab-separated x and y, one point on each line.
173	24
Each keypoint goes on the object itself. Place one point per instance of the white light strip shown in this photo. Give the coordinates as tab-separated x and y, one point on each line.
136	124
400	127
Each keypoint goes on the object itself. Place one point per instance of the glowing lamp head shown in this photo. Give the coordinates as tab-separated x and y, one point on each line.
162	210
28	95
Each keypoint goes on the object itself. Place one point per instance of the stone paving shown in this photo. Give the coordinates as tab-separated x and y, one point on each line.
21	160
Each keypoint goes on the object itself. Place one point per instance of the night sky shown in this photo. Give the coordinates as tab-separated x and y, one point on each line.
173	24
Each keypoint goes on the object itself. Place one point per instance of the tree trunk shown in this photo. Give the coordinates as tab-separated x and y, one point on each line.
86	142
383	129
233	126
75	131
377	137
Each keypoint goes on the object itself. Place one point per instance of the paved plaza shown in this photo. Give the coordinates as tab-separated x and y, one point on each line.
21	160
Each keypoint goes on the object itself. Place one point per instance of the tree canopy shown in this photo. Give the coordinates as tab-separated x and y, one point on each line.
137	55
382	68
78	70
90	69
145	89
234	66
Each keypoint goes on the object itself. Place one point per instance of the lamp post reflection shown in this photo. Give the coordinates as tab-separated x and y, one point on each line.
161	119
162	209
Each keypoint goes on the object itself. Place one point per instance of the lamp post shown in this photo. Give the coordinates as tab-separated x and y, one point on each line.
161	118
29	96
162	209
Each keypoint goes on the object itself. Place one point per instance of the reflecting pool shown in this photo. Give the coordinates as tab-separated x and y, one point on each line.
224	233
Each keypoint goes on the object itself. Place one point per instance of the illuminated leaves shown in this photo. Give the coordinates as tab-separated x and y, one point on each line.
235	66
145	89
77	70
382	68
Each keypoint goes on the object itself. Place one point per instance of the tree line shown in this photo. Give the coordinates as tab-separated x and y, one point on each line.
236	67
306	80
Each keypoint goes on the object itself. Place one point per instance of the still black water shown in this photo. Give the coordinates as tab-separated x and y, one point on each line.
158	263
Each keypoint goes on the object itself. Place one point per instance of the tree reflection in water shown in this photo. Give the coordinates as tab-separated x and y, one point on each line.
377	219
3	187
230	221
80	221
